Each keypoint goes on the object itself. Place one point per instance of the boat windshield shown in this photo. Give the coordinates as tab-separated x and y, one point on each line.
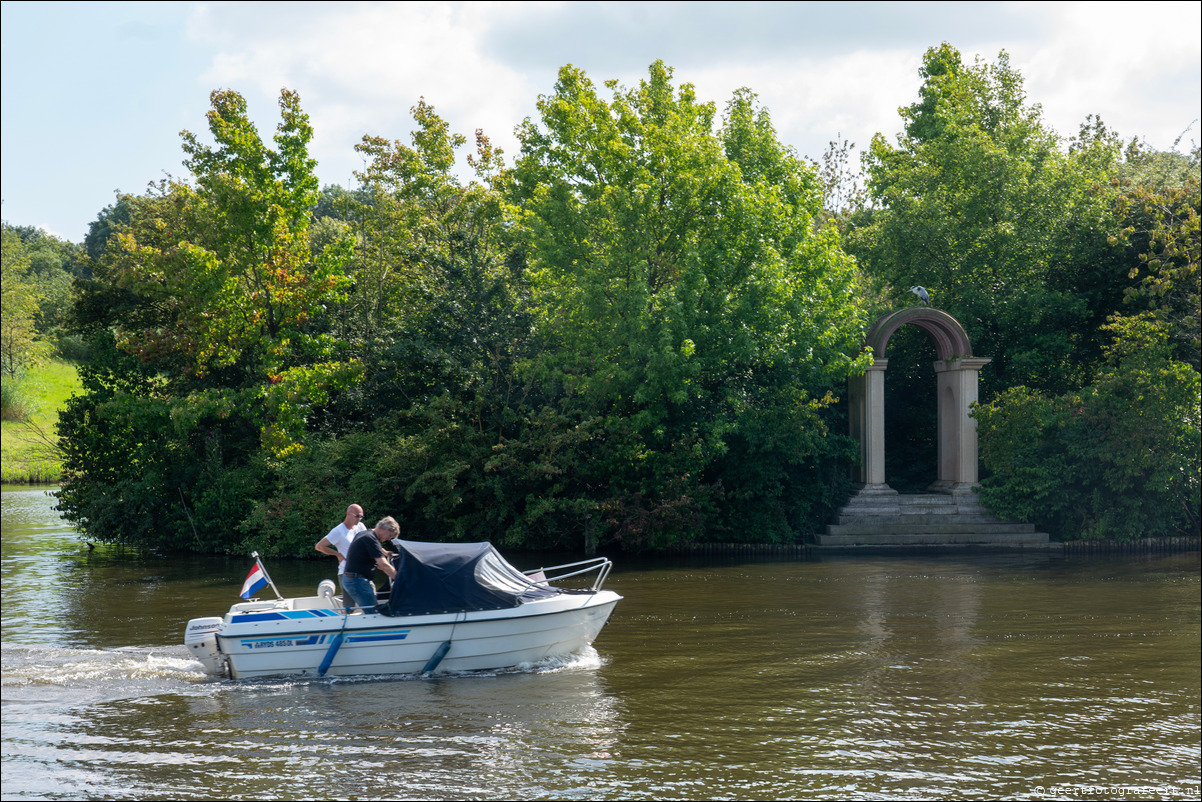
493	571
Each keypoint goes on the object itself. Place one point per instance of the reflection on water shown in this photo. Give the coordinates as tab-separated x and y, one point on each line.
1017	676
928	676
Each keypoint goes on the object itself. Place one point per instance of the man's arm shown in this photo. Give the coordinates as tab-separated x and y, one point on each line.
384	565
324	547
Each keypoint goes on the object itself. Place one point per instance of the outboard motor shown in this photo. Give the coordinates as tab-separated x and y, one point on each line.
325	592
201	638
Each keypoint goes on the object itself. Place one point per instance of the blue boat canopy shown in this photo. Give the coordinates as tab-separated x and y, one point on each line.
457	577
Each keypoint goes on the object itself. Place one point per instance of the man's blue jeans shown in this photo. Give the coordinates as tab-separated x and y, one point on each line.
358	592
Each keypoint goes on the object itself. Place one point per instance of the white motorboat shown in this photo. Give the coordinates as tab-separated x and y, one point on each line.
454	607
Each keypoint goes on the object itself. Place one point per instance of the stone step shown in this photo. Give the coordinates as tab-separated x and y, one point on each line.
958	523
914	506
916	500
883	510
894	528
879	516
936	516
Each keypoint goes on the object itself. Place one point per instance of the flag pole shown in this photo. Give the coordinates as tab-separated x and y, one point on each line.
266	575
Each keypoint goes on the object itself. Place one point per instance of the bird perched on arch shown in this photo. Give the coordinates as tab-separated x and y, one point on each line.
922	294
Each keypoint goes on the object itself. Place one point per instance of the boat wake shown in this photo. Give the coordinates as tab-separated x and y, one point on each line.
583	660
42	674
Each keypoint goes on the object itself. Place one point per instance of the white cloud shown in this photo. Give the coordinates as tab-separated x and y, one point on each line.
1137	66
360	69
822	69
851	96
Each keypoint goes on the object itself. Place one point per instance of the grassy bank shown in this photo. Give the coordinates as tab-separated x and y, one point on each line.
28	444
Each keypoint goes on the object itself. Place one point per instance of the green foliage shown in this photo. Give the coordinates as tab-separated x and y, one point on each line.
1119	459
21	347
844	195
1011	229
440	332
51	265
210	318
222	270
670	382
632	337
1033	243
111	219
687	291
1160	215
144	467
980	203
296	499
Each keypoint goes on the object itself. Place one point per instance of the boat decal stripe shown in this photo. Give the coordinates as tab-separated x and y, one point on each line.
404	633
281	616
273	642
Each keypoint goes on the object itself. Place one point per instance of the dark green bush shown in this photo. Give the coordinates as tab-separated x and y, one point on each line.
1119	459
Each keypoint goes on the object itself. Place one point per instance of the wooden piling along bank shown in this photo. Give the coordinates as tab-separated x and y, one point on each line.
720	549
1148	545
1151	545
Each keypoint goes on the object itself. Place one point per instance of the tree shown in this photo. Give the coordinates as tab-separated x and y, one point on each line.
1159	210
107	223
420	220
52	267
20	346
438	302
689	299
980	203
210	318
1044	249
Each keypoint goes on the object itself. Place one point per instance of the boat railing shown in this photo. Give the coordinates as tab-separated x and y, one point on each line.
602	565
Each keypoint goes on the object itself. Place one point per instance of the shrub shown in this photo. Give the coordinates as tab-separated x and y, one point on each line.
1119	459
15	402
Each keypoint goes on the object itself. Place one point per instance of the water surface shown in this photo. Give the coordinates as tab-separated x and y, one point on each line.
1021	675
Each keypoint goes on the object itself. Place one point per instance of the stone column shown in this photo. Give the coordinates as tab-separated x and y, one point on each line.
872	426
957	381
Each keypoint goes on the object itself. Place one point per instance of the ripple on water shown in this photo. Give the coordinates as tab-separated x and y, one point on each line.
35	673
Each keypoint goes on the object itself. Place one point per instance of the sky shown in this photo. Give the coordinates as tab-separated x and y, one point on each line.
95	94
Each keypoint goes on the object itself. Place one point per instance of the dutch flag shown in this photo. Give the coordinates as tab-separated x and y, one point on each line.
256	580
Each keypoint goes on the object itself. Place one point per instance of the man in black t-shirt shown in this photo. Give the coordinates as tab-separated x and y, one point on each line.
363	557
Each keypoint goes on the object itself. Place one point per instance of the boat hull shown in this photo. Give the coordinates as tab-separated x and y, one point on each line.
275	639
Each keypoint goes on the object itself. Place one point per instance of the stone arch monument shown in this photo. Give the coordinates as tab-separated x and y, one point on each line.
948	513
957	372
